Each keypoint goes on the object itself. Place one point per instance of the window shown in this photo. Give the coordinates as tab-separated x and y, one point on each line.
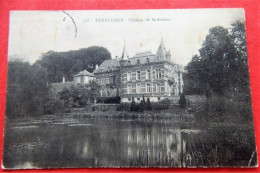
128	76
138	61
129	99
129	63
138	74
148	74
107	93
107	80
148	88
117	80
147	60
156	73
159	98
138	88
129	89
159	73
111	80
138	99
162	73
158	88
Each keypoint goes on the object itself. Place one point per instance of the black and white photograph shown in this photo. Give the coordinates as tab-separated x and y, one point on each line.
128	89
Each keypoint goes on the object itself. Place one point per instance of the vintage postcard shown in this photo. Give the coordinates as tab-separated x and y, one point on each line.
128	88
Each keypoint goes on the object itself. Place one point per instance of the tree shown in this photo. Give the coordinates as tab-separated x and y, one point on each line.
94	91
67	64
26	89
222	62
52	103
65	96
80	95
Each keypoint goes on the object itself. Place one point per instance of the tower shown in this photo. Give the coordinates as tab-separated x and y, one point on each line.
162	54
124	54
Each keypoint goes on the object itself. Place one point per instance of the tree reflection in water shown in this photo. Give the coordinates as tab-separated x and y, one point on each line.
104	143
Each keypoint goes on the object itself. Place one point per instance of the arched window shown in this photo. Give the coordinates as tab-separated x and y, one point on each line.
138	61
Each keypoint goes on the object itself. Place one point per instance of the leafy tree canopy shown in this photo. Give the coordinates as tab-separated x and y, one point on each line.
26	88
67	64
222	62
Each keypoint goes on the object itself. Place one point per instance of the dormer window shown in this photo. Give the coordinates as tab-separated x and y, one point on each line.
138	61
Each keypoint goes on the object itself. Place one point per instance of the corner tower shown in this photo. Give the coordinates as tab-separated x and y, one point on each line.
162	54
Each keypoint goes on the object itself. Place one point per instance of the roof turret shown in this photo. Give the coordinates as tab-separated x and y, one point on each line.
162	52
124	54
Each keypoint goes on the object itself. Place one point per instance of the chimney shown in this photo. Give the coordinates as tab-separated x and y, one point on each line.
96	66
63	79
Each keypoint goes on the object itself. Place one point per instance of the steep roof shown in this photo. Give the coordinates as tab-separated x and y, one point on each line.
84	73
162	53
108	65
143	58
124	54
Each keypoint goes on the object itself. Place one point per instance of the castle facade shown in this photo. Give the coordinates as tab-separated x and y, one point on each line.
148	75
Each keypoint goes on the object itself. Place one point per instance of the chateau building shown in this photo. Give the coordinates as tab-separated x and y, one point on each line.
82	78
148	75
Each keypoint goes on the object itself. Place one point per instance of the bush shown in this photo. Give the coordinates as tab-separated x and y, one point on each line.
162	105
148	105
115	100
123	107
223	109
133	106
182	101
165	103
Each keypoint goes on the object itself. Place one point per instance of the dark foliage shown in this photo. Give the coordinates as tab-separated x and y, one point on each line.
115	100
133	106
52	104
221	72
67	64
123	107
182	101
148	105
222	63
80	95
162	105
27	89
222	109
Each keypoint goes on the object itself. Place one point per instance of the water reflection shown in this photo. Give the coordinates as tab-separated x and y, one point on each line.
100	143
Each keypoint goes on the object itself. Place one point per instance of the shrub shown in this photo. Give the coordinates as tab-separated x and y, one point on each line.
109	100
52	106
162	105
123	107
220	109
165	103
148	105
133	105
182	101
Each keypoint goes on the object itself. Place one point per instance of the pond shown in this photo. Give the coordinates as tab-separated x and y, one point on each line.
71	143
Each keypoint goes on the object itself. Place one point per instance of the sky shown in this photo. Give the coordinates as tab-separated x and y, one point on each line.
33	33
